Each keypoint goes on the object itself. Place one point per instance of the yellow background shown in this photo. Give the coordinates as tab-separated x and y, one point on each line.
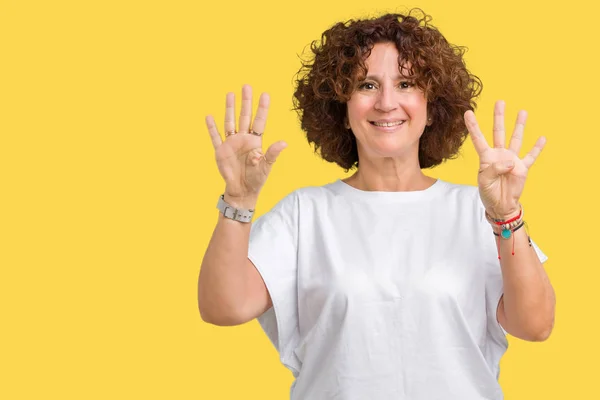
108	183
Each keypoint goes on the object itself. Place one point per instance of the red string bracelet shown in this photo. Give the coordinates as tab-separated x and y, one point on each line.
502	222
507	228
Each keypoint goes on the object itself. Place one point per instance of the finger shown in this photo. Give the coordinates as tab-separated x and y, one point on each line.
273	152
498	168
215	137
246	113
517	137
499	134
477	137
530	158
230	113
260	121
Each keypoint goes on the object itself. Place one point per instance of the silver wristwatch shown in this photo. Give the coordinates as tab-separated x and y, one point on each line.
237	214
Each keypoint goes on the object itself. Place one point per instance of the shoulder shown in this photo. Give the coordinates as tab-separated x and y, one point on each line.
301	198
465	197
312	194
462	190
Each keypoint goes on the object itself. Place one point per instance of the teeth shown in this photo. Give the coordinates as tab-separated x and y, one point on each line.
388	123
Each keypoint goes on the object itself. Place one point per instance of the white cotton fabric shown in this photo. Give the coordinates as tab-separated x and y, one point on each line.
383	295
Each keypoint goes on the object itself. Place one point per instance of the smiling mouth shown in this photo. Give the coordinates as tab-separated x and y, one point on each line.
386	124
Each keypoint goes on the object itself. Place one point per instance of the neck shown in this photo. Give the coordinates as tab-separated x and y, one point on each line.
389	176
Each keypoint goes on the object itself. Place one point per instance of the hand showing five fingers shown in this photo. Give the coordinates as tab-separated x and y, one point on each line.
240	158
502	173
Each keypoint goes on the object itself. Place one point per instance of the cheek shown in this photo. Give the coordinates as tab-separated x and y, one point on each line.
418	107
357	109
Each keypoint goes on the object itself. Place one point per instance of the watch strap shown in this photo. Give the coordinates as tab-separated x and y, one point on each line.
237	214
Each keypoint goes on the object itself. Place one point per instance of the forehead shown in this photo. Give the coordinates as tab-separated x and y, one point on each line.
384	58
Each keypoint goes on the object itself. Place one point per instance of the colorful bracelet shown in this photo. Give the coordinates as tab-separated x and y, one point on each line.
508	224
507	228
503	235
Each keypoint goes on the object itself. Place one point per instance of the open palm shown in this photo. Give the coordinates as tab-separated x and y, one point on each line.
502	173
240	157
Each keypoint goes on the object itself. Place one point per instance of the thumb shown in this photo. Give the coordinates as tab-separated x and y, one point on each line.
499	168
274	150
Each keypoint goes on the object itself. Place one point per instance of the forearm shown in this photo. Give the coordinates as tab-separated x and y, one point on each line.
223	274
529	298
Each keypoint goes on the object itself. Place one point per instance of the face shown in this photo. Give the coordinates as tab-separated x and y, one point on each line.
386	112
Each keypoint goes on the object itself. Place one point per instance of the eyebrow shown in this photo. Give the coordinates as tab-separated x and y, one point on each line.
396	78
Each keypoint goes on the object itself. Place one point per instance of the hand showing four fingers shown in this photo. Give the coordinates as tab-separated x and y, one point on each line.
240	158
502	173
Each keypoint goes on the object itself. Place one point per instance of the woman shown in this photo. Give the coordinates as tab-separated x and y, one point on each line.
389	284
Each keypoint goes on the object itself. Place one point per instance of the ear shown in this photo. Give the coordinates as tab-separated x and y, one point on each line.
346	123
429	114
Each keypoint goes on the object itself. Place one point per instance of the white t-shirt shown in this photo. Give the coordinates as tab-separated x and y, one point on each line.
383	295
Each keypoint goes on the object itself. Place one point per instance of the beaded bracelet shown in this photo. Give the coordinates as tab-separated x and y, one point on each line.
508	228
510	232
516	229
509	225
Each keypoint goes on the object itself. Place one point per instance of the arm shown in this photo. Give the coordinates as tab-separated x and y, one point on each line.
230	289
526	310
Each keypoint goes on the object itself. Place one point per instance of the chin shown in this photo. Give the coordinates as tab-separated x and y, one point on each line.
400	150
389	147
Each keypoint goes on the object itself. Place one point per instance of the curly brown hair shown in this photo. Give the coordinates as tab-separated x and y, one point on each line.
326	81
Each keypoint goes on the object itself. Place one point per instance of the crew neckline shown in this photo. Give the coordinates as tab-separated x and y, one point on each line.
347	190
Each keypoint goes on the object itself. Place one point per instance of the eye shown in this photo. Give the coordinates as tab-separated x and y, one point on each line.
366	86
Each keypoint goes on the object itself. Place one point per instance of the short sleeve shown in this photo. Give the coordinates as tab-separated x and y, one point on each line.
273	249
494	290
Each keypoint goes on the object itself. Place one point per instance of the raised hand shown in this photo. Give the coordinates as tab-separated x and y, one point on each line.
240	158
502	173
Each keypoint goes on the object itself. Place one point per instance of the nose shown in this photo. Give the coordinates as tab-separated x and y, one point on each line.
387	99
